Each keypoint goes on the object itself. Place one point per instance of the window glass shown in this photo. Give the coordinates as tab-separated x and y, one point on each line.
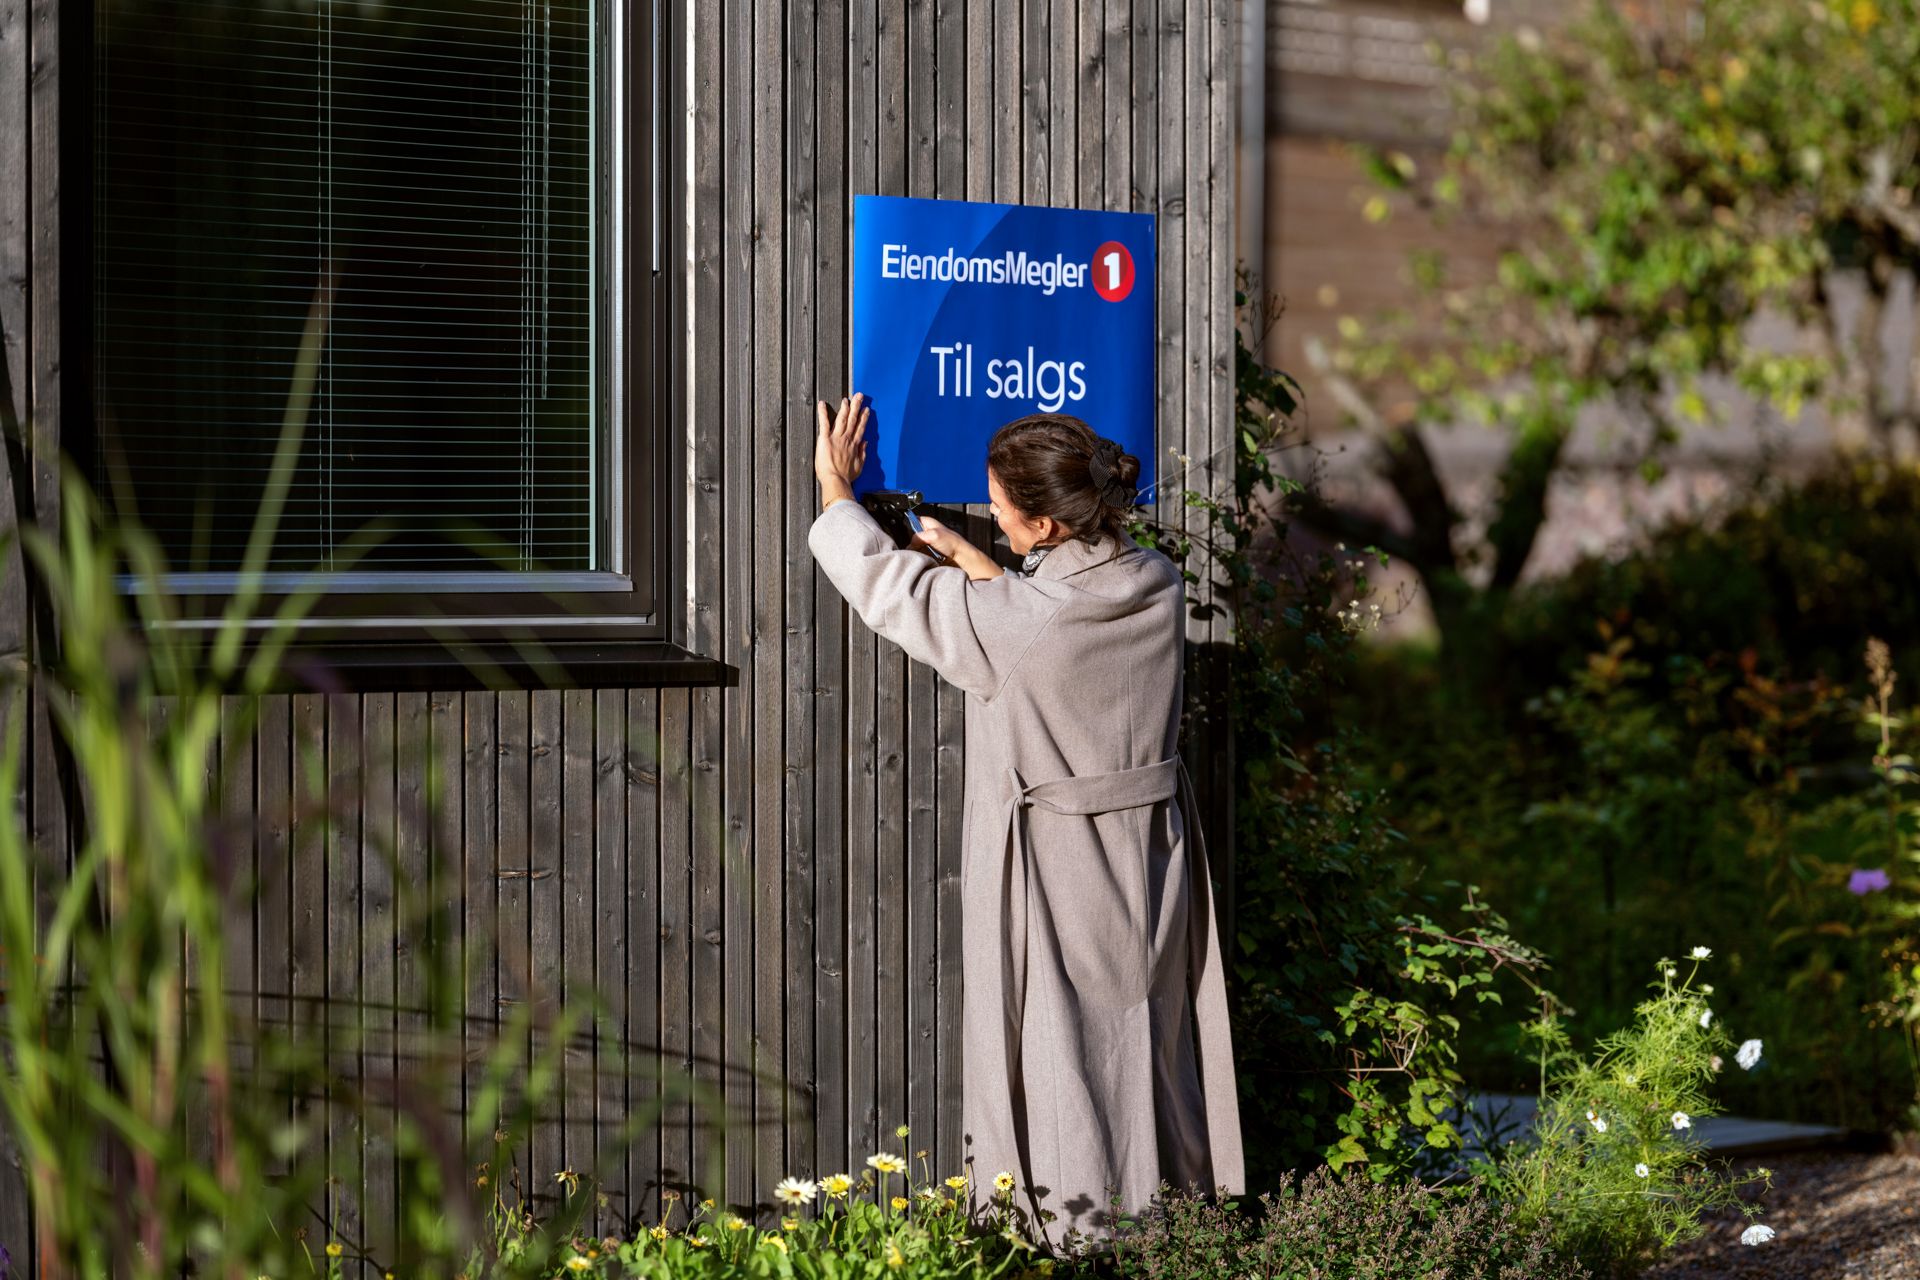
421	171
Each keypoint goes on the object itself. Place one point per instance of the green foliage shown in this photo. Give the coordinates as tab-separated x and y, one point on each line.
1329	1227
1613	1169
839	1228
1657	192
1680	729
1352	982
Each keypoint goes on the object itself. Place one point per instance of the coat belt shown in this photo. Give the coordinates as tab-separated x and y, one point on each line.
1206	974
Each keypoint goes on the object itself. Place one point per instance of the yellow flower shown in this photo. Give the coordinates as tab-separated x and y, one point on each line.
836	1184
789	1224
736	1223
958	1182
775	1242
887	1163
902	1132
577	1264
894	1256
335	1249
706	1204
1863	16
698	1242
658	1233
1003	1181
1710	94
899	1203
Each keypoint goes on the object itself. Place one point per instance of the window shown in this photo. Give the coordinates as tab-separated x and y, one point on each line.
410	221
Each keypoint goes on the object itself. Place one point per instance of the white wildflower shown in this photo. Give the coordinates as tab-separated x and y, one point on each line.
1758	1233
1747	1054
1598	1122
1706	988
1681	1120
1706	1017
796	1191
1714	1063
1640	1171
1701	953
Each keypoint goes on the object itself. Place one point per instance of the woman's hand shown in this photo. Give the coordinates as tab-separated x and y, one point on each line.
956	549
840	451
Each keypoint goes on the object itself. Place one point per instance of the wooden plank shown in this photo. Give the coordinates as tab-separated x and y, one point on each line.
827	962
239	825
47	807
922	923
604	797
417	793
765	1055
695	857
377	969
1219	423
1089	106
1063	140
513	868
579	937
890	931
1116	114
790	967
480	907
860	1028
344	1014
1036	105
936	1124
16	1217
662	1037
732	942
273	910
1169	203
307	954
636	912
448	809
545	900
1144	103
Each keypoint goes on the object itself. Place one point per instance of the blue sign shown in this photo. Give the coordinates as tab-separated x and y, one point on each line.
967	316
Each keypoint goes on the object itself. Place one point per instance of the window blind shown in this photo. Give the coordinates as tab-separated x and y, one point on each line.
429	164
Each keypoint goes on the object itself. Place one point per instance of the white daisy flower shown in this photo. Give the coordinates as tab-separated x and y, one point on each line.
1747	1054
1681	1120
1640	1171
1701	953
796	1191
887	1163
1598	1122
1758	1233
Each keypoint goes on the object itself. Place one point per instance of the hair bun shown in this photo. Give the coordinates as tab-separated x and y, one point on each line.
1113	472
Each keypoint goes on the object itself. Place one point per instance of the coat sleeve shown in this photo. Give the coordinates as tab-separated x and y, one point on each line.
972	633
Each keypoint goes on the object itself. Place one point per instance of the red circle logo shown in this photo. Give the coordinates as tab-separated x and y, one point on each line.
1112	271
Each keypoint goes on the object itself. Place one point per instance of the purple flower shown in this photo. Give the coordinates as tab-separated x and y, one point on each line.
1867	880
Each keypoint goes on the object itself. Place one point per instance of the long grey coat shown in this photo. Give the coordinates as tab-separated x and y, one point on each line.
1097	1060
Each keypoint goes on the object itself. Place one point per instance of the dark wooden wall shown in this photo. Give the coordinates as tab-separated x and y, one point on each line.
764	876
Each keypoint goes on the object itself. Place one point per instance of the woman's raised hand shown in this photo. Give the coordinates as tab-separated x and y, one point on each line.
840	451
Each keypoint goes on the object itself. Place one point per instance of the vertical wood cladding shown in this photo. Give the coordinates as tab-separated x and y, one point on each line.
760	880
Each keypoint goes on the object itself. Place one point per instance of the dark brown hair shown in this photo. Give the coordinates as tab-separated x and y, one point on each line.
1053	464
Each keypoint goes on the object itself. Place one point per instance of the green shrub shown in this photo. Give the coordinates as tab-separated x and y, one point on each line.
1613	1168
1331	1227
1353	980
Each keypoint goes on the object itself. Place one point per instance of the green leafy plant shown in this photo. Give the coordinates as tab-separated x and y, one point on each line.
1328	1227
1612	1165
1353	981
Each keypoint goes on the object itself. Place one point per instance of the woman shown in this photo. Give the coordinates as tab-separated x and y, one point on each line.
1096	1054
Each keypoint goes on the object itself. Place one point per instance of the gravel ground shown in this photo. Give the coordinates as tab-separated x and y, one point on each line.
1837	1214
